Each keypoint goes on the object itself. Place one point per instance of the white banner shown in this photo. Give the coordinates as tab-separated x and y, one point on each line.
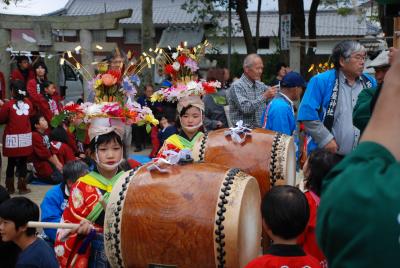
285	31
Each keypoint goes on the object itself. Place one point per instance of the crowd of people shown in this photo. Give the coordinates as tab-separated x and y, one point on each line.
308	227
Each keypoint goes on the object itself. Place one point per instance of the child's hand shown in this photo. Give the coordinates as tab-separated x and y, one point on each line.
84	227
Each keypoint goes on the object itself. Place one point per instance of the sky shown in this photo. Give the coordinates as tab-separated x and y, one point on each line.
39	7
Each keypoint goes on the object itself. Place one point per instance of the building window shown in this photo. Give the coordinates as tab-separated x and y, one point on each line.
99	35
263	42
133	36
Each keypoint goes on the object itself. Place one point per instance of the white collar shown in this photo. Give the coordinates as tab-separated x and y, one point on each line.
287	98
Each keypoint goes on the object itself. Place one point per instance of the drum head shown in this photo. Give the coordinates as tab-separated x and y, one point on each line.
290	172
242	224
283	160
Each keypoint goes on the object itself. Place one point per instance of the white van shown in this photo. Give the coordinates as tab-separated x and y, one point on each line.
71	83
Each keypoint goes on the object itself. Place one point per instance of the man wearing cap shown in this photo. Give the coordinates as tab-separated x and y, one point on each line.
367	98
279	115
328	103
359	214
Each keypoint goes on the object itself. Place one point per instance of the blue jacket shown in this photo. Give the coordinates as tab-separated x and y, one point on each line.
52	207
316	99
280	116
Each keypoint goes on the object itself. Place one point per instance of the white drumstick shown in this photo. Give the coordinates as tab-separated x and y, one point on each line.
52	225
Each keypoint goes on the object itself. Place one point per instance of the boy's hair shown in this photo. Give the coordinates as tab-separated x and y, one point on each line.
285	211
47	83
3	194
105	138
35	120
320	162
59	134
22	58
73	170
20	210
279	66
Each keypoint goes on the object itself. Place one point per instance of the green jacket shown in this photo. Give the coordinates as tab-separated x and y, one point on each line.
362	111
358	221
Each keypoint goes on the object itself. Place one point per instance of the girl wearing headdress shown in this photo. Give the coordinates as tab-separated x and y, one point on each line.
191	115
187	90
89	196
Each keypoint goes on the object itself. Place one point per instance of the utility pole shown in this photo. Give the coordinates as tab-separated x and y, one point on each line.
229	34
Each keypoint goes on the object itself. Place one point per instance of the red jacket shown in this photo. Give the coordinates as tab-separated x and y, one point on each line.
72	142
308	240
17	75
2	86
288	256
41	154
63	152
17	137
40	103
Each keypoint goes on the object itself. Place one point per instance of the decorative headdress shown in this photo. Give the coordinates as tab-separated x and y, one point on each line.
113	105
182	66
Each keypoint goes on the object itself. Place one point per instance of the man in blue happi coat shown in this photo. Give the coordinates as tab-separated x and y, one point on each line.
279	115
327	106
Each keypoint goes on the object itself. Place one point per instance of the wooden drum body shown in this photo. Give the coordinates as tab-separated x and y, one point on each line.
268	156
196	215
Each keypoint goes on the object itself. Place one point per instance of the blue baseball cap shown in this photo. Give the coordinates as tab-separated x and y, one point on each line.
293	79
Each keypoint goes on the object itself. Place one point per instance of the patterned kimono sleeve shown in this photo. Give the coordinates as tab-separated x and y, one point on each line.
82	200
166	147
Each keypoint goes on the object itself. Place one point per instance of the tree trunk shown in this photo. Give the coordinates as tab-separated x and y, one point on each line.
386	22
258	24
147	35
312	31
241	6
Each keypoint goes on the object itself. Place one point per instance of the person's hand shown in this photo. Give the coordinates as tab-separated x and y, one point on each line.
84	228
82	156
1	103
270	92
59	166
332	146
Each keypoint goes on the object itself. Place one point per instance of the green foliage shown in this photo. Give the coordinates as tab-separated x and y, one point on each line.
7	2
220	100
81	132
209	12
148	128
344	11
58	119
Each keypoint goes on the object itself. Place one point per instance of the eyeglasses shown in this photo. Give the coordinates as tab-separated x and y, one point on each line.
359	57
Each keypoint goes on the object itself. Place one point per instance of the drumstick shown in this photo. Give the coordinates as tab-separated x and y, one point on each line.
52	225
55	225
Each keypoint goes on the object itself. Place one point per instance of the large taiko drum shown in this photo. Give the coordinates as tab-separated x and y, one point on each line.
196	215
266	155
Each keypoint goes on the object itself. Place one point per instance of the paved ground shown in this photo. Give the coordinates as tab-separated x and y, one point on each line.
38	191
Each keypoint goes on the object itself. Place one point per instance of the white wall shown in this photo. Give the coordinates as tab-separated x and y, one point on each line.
238	46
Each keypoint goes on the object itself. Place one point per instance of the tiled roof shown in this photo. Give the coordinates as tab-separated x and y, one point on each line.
164	11
328	24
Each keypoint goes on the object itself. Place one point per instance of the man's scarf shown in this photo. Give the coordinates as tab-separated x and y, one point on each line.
330	113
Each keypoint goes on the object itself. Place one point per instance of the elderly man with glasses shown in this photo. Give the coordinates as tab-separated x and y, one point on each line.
328	103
